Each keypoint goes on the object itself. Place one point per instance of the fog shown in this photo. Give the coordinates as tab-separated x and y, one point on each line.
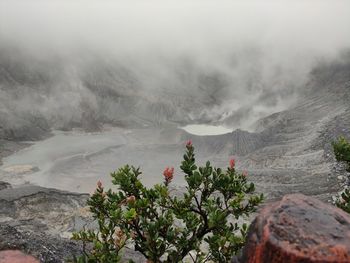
227	62
170	28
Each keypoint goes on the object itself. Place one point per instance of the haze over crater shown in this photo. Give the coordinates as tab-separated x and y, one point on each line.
227	62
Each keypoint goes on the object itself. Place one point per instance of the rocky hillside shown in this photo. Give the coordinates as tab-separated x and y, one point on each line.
290	152
298	140
36	220
86	91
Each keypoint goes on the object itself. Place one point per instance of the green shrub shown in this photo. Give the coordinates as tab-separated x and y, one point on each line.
200	224
341	149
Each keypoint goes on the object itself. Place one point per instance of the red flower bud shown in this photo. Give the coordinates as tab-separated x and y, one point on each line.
189	143
245	173
168	174
232	163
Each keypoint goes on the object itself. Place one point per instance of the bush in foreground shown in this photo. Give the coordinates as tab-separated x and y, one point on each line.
200	224
341	149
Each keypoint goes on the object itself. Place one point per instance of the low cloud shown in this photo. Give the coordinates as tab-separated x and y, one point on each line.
230	58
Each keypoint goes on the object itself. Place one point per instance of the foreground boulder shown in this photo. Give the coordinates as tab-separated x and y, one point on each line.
16	256
298	229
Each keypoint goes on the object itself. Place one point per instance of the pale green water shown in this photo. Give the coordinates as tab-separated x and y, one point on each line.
75	161
204	129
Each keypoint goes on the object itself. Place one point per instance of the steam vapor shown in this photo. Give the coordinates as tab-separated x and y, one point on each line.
67	64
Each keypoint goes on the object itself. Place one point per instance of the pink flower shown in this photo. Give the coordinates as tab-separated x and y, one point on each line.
99	184
168	174
189	143
245	173
232	163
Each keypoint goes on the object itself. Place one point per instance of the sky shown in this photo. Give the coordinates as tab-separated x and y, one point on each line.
173	27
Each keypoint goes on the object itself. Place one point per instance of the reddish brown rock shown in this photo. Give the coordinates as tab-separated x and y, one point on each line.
16	256
299	229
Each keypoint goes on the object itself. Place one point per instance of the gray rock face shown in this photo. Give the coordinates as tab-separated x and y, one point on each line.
4	185
238	142
53	208
46	248
297	141
38	221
